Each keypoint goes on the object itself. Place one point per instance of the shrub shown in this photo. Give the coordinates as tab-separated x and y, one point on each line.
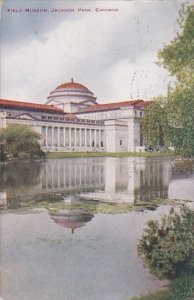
168	246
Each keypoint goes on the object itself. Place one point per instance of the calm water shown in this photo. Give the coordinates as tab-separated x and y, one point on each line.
78	253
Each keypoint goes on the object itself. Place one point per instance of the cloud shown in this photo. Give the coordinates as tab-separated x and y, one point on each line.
23	27
101	50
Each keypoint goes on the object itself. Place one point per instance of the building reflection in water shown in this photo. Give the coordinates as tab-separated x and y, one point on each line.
3	199
106	179
72	218
73	174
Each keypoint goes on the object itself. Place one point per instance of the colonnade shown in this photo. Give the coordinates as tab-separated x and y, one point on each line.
71	138
72	176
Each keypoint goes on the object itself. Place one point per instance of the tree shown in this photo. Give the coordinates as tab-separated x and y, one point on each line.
20	140
178	56
154	123
180	116
178	109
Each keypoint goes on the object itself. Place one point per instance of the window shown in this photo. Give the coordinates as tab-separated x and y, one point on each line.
120	142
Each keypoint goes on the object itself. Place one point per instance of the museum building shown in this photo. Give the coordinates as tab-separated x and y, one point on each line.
73	120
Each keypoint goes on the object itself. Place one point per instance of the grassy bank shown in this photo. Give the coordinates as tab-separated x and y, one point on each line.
181	288
108	154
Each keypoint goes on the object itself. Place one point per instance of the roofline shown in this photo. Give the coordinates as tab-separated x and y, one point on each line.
15	104
99	107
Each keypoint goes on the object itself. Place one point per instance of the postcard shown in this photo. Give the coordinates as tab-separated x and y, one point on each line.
96	150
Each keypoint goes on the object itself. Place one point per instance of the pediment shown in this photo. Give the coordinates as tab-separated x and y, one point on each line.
25	117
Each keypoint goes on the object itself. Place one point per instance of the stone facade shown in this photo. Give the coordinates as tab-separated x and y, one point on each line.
72	120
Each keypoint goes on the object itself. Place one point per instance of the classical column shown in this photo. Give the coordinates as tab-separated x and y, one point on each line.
99	138
46	136
69	137
90	138
75	136
52	136
94	138
85	137
58	137
80	138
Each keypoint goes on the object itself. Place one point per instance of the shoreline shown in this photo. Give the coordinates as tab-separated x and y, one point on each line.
58	155
51	155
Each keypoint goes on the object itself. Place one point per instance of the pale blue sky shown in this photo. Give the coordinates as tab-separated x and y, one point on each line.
112	53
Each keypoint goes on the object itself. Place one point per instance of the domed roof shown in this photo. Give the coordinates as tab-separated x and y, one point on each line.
71	96
73	85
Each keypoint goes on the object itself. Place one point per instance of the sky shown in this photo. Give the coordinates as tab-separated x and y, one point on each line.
112	52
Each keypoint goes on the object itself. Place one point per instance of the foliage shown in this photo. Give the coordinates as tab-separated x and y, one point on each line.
180	116
168	246
176	115
154	123
20	140
171	122
178	56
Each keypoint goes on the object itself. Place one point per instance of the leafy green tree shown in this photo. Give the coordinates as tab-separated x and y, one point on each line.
20	140
176	116
178	56
154	123
180	117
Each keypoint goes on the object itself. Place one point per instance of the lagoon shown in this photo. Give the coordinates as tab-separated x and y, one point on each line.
61	236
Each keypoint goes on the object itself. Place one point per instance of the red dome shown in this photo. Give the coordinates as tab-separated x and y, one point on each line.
72	85
71	92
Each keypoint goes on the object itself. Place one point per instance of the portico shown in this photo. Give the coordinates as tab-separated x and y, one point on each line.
70	137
